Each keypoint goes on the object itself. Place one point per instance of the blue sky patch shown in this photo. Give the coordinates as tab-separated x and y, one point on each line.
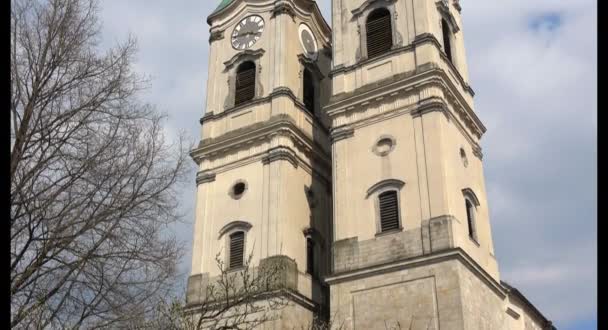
546	22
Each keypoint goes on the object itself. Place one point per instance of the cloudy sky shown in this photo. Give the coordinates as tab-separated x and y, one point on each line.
533	67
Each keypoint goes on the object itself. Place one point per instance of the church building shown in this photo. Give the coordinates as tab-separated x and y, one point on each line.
352	153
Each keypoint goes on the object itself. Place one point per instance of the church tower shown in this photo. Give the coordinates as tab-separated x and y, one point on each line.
264	180
352	157
412	244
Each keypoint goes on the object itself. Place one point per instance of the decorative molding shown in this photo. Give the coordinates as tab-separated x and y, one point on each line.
409	83
444	8
280	153
430	104
366	4
389	183
341	133
393	143
216	35
311	65
204	177
283	8
477	153
258	133
457	5
512	313
514	293
207	116
248	53
234	225
427	259
468	192
419	40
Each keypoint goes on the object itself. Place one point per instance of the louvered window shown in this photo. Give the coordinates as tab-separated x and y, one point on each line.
237	246
309	91
447	47
245	83
470	219
389	211
379	32
310	255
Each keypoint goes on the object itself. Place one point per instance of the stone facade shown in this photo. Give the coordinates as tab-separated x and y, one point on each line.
402	122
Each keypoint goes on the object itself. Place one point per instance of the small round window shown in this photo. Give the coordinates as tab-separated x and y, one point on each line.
238	189
384	146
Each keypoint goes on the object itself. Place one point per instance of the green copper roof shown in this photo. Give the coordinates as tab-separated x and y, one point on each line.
222	5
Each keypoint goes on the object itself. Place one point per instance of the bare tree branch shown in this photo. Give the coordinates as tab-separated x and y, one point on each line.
93	178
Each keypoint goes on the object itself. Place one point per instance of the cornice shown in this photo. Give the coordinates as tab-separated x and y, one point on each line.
277	92
419	40
280	153
204	177
246	53
283	8
513	292
408	82
341	133
216	35
432	258
383	184
277	125
361	9
243	225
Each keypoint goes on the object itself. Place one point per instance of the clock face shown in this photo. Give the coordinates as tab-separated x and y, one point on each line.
247	32
308	41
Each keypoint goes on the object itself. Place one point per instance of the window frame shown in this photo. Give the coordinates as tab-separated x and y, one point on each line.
226	232
229	254
391	22
375	191
230	68
361	14
471	217
254	82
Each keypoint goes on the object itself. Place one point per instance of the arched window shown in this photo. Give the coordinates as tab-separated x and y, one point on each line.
471	218
389	210
237	249
310	256
471	203
447	46
309	91
245	83
379	32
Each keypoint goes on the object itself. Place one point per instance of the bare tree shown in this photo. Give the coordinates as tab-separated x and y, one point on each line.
92	177
239	300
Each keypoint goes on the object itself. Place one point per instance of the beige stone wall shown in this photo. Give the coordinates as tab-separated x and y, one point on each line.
483	308
459	177
425	297
413	20
426	156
